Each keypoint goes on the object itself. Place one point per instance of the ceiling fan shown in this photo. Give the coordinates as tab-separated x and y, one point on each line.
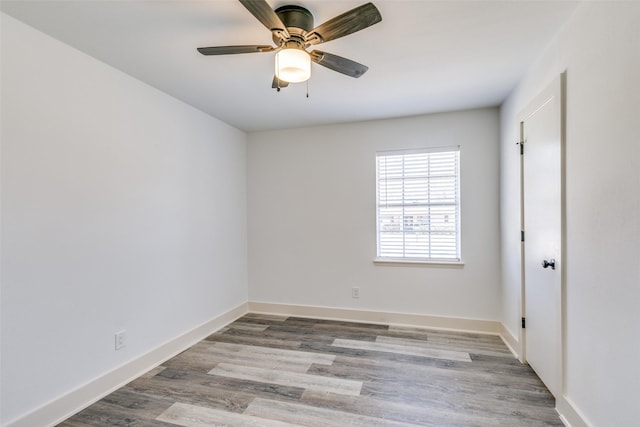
293	32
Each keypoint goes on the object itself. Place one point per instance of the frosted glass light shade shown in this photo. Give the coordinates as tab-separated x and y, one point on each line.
293	65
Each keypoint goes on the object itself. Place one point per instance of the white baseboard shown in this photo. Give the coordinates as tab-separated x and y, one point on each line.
569	414
510	341
382	317
65	406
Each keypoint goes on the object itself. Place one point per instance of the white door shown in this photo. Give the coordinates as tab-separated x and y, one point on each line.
541	125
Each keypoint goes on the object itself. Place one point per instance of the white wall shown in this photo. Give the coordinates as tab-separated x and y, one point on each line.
122	208
312	232
600	49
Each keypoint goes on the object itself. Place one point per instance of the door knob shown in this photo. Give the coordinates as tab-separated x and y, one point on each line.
551	263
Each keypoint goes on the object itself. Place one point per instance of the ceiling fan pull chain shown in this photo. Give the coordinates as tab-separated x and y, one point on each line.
277	78
307	88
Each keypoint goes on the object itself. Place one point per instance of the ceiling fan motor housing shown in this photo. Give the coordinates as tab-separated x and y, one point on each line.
297	19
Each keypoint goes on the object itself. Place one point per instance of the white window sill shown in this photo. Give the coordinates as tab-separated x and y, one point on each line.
398	262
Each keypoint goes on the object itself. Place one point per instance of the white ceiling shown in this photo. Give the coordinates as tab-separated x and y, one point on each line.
424	57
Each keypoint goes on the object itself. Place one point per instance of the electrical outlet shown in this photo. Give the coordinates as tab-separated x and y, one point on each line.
121	339
355	292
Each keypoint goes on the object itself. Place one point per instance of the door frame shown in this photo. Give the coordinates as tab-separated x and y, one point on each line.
557	88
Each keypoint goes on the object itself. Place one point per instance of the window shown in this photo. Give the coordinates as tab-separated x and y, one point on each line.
418	205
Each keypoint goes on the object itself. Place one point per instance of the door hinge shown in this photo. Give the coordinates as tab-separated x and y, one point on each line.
521	144
522	235
524	323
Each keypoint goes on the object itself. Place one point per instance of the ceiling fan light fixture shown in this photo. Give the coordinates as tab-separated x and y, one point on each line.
293	65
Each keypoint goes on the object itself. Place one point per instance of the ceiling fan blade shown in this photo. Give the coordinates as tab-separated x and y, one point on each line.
278	84
263	13
228	50
349	22
338	63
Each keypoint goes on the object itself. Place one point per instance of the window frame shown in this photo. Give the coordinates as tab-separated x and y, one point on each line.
427	260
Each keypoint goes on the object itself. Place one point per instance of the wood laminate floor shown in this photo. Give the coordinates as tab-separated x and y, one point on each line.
288	371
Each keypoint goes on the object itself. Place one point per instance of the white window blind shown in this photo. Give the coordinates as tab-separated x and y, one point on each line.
418	206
